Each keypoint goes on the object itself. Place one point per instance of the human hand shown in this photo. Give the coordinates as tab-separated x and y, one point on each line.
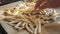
42	4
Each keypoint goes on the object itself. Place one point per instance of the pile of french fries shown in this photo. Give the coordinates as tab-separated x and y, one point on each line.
24	17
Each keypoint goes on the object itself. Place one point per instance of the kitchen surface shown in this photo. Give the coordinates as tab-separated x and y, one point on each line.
50	29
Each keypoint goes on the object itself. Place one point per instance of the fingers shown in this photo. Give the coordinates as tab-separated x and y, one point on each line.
40	4
37	4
